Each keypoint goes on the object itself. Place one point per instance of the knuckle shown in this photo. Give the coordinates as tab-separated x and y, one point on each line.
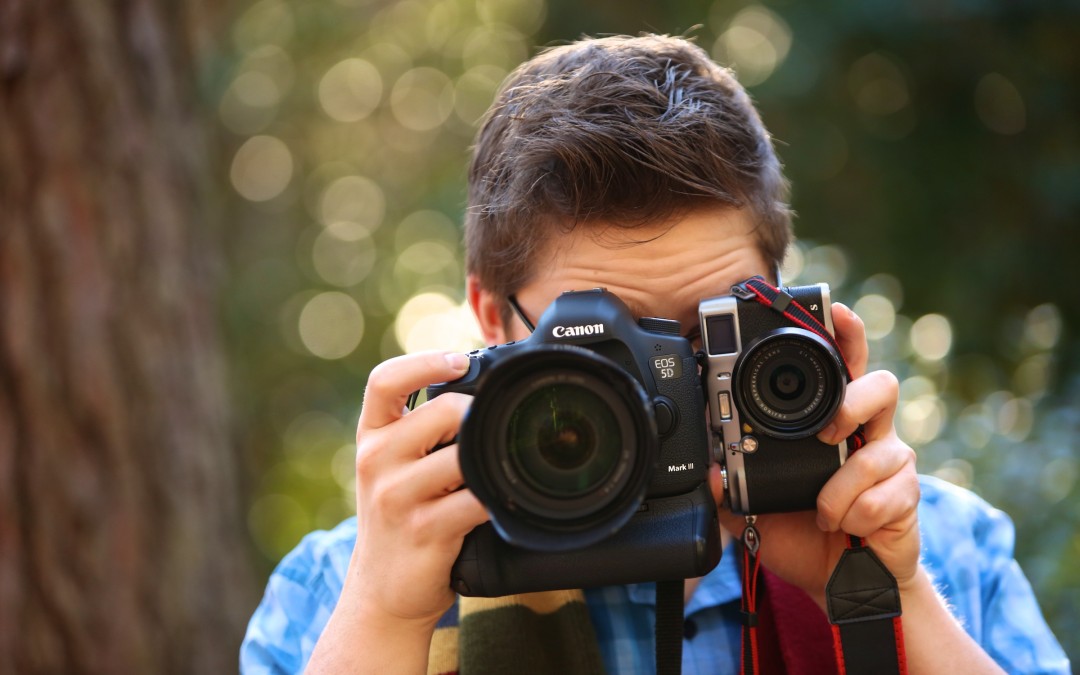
379	379
870	507
887	382
910	459
827	508
867	464
384	496
368	458
914	492
365	463
421	525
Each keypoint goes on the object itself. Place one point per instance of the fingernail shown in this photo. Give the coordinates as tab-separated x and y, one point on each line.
822	524
458	361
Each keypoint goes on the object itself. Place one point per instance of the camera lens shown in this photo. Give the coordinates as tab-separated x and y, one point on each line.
564	440
559	445
787	382
790	382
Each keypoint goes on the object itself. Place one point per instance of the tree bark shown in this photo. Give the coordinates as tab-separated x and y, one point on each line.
121	539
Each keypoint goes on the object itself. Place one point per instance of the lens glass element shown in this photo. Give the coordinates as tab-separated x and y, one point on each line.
790	383
564	440
786	389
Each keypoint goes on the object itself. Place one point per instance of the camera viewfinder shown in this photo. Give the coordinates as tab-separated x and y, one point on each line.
720	332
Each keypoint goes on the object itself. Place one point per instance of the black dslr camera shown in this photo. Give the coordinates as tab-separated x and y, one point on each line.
774	378
587	444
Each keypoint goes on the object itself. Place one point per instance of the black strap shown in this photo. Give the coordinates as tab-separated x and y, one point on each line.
669	627
864	609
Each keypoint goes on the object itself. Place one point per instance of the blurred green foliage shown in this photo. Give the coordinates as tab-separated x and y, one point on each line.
933	150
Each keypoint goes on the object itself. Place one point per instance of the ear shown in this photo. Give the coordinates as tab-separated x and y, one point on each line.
487	308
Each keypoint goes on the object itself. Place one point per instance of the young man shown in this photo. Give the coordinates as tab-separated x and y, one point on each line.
638	165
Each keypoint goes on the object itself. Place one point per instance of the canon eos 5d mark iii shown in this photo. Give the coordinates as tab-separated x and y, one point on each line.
774	379
586	443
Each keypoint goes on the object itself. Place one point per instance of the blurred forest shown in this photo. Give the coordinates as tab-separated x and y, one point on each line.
933	148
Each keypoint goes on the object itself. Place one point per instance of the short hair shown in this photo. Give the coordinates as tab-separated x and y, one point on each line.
621	130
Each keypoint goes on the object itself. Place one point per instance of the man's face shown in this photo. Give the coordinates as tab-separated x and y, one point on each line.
677	263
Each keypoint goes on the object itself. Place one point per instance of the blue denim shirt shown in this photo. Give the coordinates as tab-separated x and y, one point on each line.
967	546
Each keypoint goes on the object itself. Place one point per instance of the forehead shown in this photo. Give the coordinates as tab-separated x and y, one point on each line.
657	270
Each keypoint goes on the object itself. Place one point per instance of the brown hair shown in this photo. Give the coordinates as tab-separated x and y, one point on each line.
624	130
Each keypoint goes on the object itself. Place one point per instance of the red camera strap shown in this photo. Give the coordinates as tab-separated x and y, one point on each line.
751	576
862	597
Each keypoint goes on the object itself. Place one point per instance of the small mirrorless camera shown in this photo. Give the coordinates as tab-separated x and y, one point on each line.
772	385
589	445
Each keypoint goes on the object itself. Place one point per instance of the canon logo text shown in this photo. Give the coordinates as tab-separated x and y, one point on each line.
577	331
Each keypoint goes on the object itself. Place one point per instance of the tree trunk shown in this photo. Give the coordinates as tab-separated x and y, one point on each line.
121	547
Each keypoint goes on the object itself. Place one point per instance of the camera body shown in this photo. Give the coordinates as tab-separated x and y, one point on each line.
587	444
771	387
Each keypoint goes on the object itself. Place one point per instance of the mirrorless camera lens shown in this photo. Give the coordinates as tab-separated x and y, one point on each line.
559	445
790	382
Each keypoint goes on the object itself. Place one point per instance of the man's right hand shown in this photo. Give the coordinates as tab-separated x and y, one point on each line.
411	516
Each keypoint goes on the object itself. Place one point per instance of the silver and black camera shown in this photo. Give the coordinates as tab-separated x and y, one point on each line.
587	444
772	385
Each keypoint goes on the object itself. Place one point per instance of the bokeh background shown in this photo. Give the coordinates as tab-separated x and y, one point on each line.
934	151
935	158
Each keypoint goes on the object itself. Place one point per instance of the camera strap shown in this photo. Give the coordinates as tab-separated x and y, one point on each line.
751	575
863	607
862	597
669	626
776	299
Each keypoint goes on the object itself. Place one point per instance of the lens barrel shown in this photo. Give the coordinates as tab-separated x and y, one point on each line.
559	445
790	383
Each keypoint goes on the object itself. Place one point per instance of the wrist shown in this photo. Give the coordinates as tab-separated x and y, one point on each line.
361	637
918	584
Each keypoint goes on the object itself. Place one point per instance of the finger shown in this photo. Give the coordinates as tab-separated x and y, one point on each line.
874	464
392	382
885	505
410	438
430	425
431	477
871	401
450	518
850	334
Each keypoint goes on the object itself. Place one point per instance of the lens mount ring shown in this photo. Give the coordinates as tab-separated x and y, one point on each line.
789	382
564	484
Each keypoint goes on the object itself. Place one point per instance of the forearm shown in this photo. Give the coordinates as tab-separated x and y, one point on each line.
354	642
934	640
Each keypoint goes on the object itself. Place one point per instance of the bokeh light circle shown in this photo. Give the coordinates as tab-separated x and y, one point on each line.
331	325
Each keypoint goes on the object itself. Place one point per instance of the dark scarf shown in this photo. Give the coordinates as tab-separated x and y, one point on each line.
551	633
